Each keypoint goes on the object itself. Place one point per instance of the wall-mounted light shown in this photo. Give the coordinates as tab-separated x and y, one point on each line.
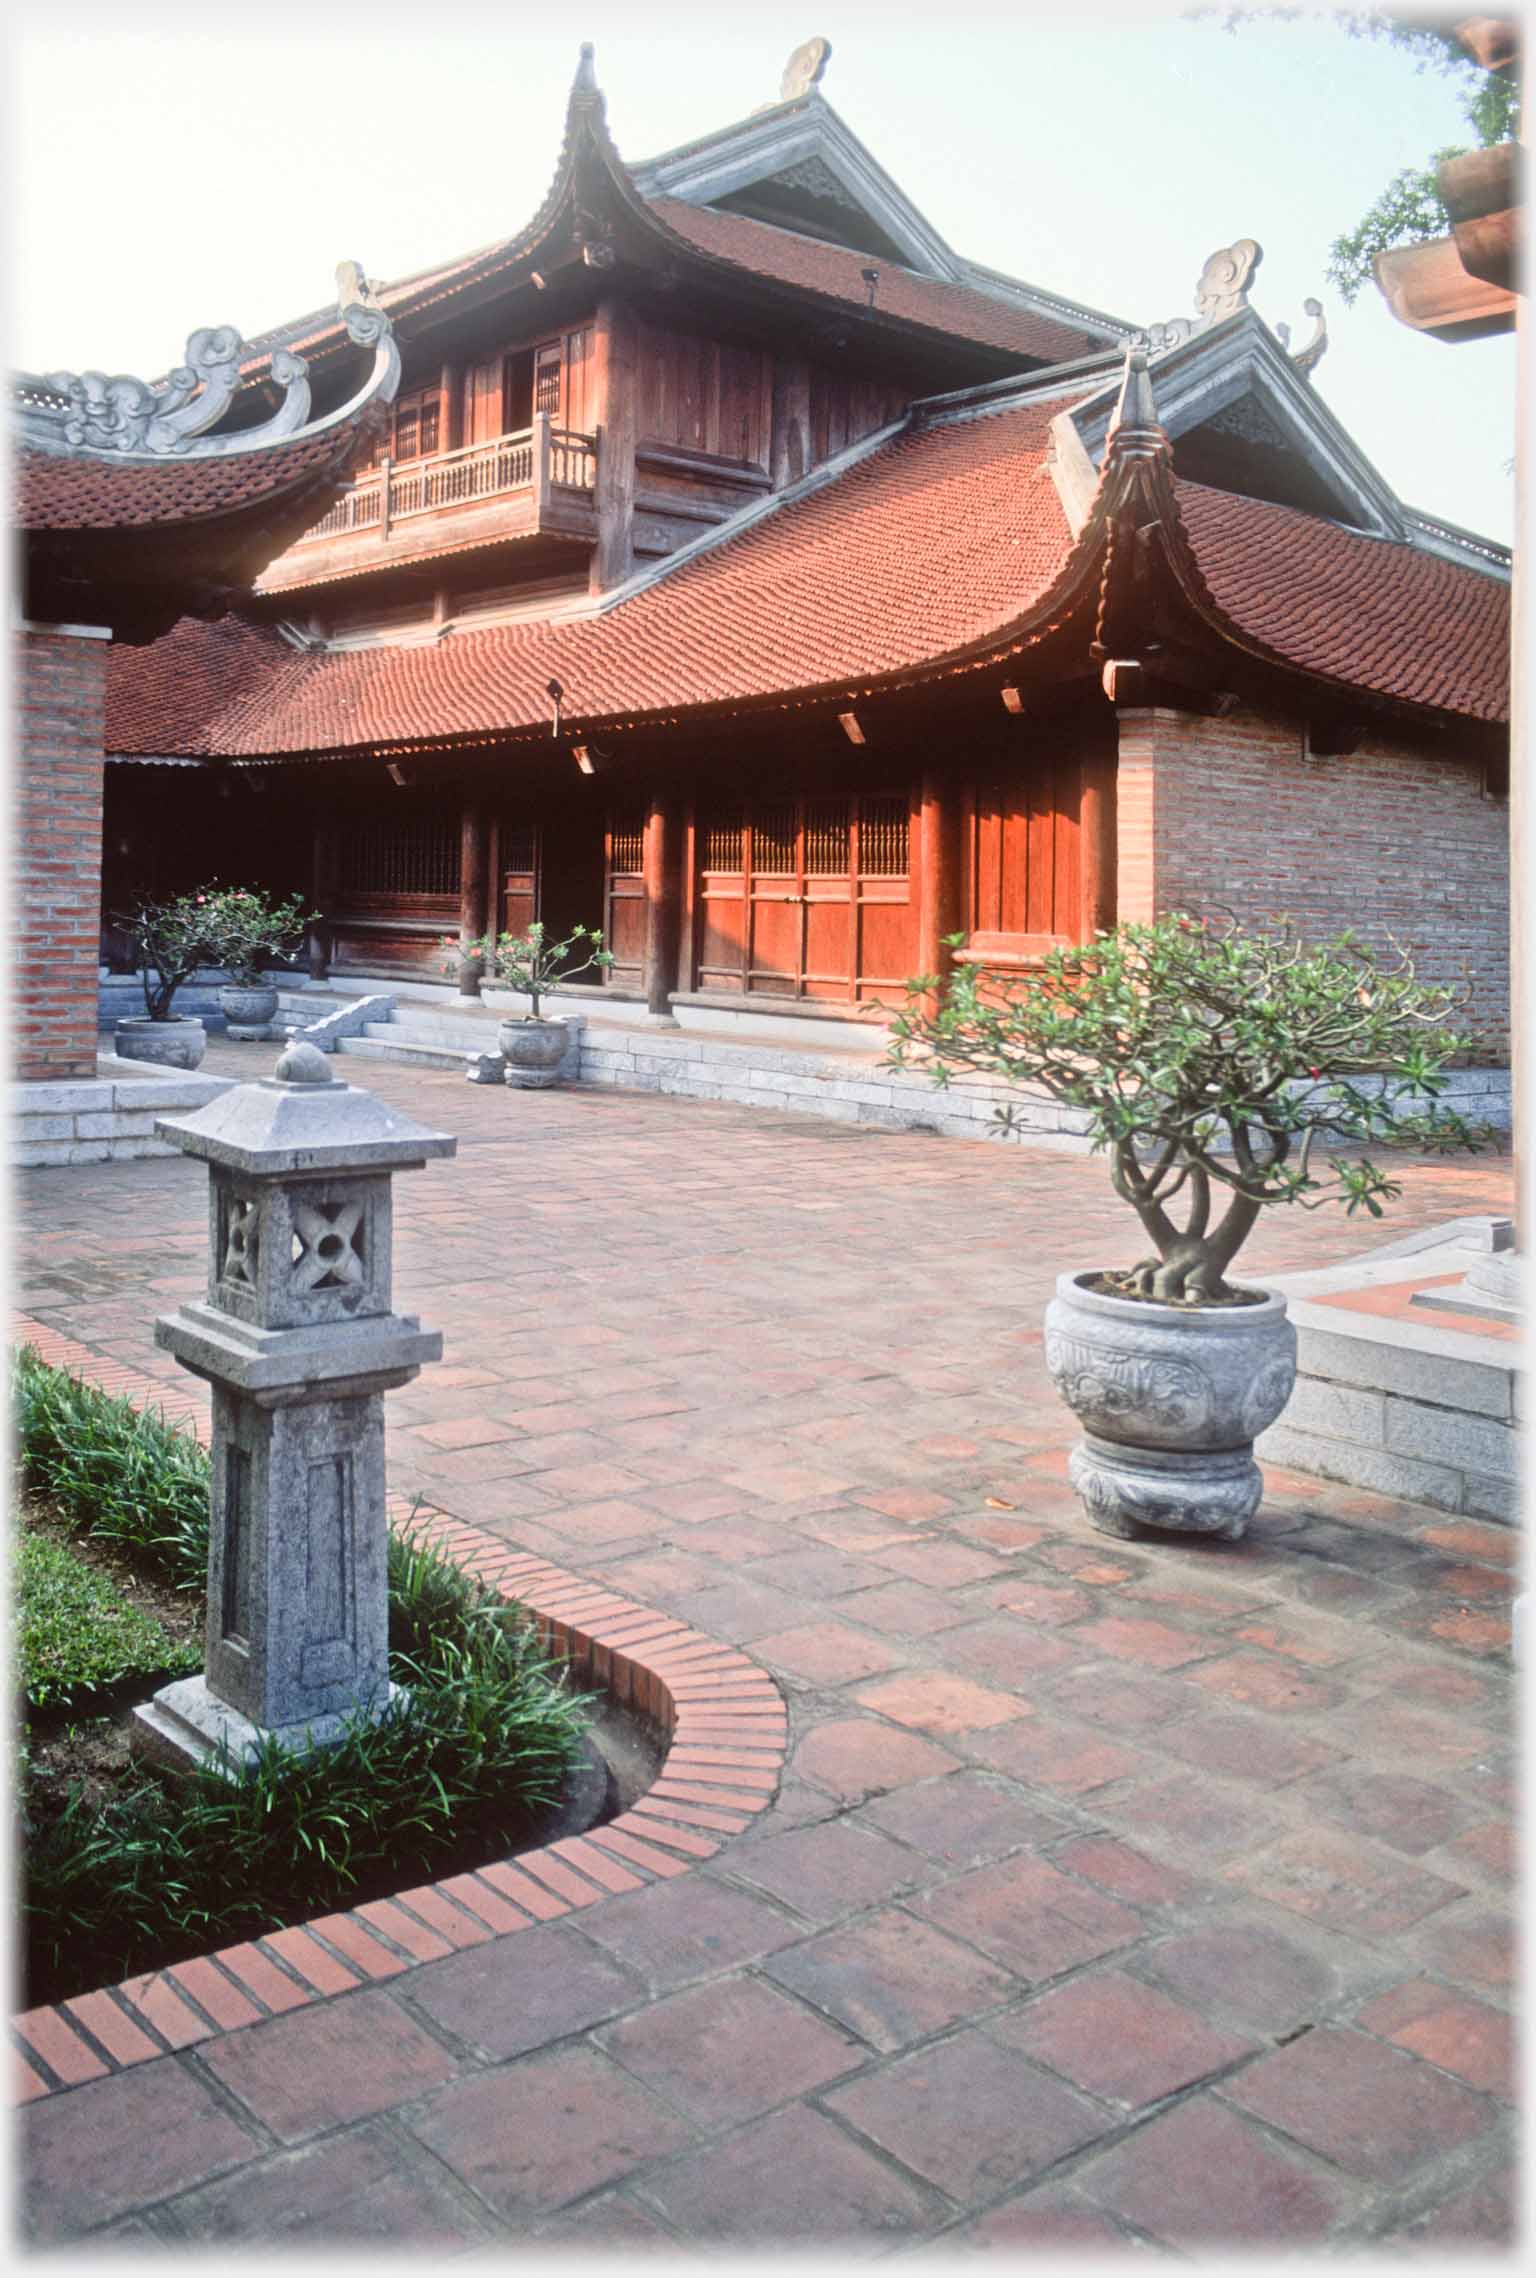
849	723
584	759
536	280
871	279
398	775
1012	700
556	695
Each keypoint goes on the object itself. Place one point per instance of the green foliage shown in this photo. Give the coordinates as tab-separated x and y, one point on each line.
169	940
75	1635
124	1475
1409	211
530	964
488	1743
1211	1060
244	930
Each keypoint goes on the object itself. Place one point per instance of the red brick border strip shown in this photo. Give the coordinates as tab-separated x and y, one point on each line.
727	1731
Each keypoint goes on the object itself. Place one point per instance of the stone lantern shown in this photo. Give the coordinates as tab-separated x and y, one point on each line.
299	1343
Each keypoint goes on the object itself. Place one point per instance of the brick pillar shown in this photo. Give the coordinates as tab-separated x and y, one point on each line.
1136	818
61	689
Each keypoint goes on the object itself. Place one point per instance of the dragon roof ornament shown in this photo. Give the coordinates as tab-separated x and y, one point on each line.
116	416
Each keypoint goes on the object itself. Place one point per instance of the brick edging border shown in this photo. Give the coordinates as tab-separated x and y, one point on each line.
727	1733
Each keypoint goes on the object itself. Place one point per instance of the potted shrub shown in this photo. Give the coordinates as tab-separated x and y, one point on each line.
1218	1070
532	1047
245	931
169	941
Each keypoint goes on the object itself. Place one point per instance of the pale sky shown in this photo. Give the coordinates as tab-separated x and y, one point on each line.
170	171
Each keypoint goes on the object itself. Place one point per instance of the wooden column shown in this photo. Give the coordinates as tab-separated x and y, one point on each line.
317	941
939	904
660	869
616	409
1096	845
472	893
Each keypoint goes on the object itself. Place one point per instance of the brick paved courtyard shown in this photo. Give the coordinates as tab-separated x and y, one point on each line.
1115	1893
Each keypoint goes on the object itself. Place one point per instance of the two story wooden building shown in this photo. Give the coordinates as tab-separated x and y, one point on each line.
746	571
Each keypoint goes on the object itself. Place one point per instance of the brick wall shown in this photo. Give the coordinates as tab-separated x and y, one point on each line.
60	697
1231	814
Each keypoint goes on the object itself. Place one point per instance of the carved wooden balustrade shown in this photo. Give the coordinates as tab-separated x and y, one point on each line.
541	458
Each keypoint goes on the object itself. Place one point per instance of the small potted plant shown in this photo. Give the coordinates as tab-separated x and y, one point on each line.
170	941
1219	1070
532	1047
245	932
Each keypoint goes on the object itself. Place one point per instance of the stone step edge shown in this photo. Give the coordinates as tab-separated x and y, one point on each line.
609	1642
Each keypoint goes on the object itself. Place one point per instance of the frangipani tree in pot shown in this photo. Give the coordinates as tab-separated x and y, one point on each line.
532	965
1223	1072
170	942
247	931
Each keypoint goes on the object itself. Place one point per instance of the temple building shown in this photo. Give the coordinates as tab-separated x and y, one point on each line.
743	570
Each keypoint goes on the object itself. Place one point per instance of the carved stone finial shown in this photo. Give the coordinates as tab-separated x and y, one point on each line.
352	287
1307	358
804	69
585	81
1223	286
1135	431
303	1064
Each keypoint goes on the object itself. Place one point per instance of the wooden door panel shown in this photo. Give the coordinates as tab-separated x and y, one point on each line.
775	938
829	946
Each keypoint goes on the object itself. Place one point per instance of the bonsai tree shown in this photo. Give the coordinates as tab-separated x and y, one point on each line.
170	940
1217	1066
244	930
530	964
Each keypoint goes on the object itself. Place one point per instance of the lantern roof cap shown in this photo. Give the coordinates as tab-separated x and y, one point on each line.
303	1119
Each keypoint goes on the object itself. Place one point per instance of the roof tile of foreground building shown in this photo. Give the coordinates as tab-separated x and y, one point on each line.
58	492
942	538
837	270
1389	618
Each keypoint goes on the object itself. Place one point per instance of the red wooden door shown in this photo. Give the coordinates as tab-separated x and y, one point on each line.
806	898
1023	861
624	899
519	876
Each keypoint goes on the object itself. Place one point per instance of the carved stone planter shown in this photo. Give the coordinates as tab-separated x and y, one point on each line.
533	1051
249	1007
175	1043
1171	1401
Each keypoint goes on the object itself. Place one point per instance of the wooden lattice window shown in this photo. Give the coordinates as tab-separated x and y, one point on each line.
417	424
416	855
884	838
722	842
826	838
773	841
520	847
626	846
546	379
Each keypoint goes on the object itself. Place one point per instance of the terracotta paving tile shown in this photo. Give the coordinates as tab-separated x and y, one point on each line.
1031	1917
1192	1817
1052	2218
1266	1972
931	1701
964	1818
213	1992
1407	1815
826	1653
507	1999
1272	1683
1119	2039
674	1932
734	2195
1344	1882
322	2066
1485	2213
176	2022
51	2036
1490	1849
826	1872
1050	1603
891	1979
119	2144
1124	1872
356	1945
968	2116
1474	1948
1099	1692
1198	2177
403	1929
853	1758
1371	2110
730	2051
1245	1747
1043	1752
576	2119
1452	2030
1150	1644
261	1976
353	2188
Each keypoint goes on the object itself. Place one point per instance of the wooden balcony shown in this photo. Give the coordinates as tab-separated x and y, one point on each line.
537	484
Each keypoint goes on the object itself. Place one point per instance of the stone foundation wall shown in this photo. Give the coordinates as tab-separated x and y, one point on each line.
60	699
1234	815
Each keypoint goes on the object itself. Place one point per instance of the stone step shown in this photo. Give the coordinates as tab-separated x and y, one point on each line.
380	1044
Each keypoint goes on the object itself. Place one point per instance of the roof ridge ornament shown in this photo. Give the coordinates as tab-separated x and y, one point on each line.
120	416
1135	431
1221	292
804	69
1306	359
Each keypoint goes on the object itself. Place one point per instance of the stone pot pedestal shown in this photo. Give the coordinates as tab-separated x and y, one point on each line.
1171	1400
534	1051
249	1009
175	1043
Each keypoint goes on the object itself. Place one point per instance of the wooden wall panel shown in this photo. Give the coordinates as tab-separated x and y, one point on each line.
701	395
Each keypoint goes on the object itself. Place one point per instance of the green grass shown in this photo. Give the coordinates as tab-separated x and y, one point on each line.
75	1633
166	1871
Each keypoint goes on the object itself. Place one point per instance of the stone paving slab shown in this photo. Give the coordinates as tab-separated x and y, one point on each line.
1114	1894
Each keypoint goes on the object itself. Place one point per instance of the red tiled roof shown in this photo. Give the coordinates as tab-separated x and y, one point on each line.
936	539
1388	618
65	492
958	310
942	538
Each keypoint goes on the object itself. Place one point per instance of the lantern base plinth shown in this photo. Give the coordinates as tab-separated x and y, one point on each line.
185	1727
